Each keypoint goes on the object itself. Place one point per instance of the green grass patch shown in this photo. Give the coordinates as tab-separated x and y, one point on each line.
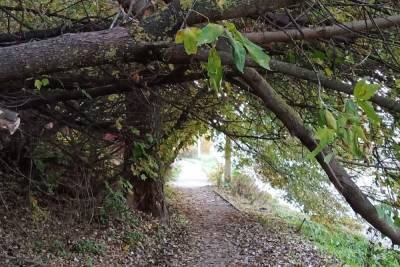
87	246
351	248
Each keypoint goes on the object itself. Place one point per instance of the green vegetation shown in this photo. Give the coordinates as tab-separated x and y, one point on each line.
92	121
353	249
342	238
132	238
114	205
87	246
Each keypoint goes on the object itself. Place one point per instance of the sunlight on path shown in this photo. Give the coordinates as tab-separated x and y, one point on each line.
191	175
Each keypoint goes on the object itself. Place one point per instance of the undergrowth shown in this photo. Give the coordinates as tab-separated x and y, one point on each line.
343	241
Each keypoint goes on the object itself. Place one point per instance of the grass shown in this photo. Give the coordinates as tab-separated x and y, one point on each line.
351	248
340	240
87	246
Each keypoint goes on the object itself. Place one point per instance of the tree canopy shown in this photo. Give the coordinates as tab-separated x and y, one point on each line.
307	90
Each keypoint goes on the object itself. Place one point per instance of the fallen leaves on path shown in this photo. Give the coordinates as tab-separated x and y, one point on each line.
220	235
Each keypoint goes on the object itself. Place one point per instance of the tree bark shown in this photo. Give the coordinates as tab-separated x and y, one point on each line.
148	190
228	160
72	51
177	54
170	19
354	28
335	171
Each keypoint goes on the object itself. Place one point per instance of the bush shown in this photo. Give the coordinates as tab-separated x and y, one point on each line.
172	173
114	205
244	186
215	176
87	246
132	238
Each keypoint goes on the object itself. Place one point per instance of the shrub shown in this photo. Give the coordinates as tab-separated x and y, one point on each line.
244	186
215	176
87	246
132	238
114	205
172	173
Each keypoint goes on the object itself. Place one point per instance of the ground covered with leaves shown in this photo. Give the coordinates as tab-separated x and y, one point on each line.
204	230
221	235
37	233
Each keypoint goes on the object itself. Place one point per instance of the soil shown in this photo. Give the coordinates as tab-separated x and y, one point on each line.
205	230
221	235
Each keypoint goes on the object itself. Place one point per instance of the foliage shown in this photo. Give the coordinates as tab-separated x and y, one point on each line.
338	239
87	246
348	129
352	249
58	248
216	175
132	238
73	160
193	37
114	205
172	173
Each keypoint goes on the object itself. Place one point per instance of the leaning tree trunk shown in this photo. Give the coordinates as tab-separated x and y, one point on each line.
148	188
335	171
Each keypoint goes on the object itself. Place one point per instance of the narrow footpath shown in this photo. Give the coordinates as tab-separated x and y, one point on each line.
220	235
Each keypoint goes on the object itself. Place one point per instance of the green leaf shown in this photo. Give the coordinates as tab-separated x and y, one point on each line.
342	121
118	123
45	82
364	90
209	34
369	111
325	137
351	107
257	53
359	132
319	57
239	53
330	120
179	37
190	40
38	84
214	69
188	37
321	118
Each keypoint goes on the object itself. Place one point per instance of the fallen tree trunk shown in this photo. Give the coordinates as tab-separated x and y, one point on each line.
354	28
72	51
335	171
170	19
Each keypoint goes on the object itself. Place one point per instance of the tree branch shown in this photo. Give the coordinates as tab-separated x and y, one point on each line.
354	28
335	171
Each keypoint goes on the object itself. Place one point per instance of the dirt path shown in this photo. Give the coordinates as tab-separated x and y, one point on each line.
220	235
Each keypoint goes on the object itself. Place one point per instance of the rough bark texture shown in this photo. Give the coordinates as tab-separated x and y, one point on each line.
171	18
109	46
71	51
354	28
335	171
148	194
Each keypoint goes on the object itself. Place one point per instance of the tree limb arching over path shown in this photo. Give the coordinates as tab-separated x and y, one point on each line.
80	50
